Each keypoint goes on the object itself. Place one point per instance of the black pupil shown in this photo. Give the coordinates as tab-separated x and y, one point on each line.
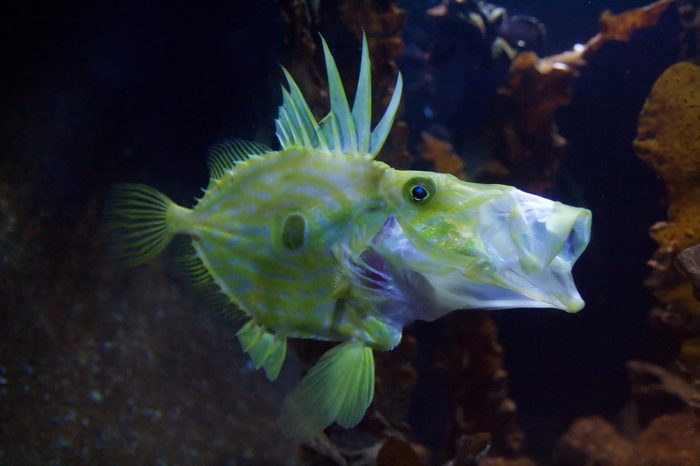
419	192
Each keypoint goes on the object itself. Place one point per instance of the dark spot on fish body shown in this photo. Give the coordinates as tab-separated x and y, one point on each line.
294	232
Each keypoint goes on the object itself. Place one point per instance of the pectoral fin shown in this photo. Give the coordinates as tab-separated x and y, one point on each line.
339	388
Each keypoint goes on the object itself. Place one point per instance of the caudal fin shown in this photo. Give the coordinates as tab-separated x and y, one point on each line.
141	221
339	388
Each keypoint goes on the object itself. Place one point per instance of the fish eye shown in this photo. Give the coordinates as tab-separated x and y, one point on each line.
419	190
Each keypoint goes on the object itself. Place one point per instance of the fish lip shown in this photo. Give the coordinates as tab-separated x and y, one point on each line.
565	296
578	237
572	242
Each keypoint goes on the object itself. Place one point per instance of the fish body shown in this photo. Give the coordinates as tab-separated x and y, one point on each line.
319	240
291	285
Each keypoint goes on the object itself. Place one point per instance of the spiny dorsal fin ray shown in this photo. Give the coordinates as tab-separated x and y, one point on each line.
341	130
362	107
295	124
306	118
381	131
328	129
294	118
225	154
339	104
281	133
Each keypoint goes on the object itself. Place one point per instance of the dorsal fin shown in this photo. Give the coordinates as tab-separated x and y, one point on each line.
339	104
341	130
362	107
224	155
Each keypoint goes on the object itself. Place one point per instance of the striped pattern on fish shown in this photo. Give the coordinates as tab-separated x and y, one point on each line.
319	240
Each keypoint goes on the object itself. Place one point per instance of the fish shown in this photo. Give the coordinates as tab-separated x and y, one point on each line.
522	32
319	240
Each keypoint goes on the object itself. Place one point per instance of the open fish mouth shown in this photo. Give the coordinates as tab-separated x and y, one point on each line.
512	276
523	259
557	277
555	241
531	248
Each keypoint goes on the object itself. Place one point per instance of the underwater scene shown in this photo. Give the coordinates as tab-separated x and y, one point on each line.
350	232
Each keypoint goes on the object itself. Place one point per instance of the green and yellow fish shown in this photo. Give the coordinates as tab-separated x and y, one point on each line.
319	240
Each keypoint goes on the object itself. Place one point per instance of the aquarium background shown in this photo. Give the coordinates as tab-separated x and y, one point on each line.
105	365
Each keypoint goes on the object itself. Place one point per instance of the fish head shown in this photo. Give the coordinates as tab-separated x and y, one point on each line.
457	245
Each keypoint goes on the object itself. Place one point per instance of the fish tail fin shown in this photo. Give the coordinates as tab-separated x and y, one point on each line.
142	221
339	388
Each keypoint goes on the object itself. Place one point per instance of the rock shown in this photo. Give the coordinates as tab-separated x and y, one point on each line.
593	441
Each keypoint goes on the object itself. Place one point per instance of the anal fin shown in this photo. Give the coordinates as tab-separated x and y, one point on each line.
339	388
265	349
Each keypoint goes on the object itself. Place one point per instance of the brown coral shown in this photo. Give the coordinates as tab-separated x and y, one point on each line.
527	144
664	406
664	409
657	391
620	27
473	358
592	440
669	142
689	262
665	412
442	155
669	439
